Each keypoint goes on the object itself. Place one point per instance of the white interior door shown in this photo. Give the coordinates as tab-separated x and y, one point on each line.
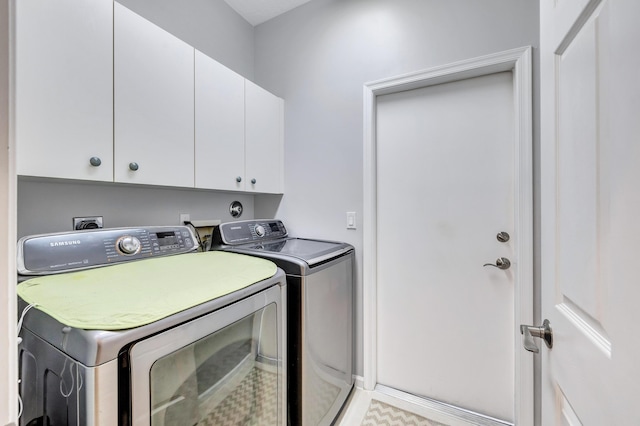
590	208
445	189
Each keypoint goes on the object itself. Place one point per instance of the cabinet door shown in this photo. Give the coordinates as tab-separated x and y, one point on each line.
64	88
153	95
263	140
219	147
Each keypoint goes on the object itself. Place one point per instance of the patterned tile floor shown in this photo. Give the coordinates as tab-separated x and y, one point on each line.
381	414
375	408
252	403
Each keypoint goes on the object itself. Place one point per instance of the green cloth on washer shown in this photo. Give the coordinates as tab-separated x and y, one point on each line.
136	293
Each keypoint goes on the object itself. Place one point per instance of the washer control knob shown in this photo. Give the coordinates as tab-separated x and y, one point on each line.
129	245
259	230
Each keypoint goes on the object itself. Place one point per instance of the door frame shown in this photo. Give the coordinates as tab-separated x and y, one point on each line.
519	62
8	221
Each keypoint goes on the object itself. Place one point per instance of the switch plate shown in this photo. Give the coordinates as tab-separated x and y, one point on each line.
351	220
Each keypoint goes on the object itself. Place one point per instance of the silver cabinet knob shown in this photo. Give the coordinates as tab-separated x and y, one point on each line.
502	263
239	179
95	161
253	181
133	166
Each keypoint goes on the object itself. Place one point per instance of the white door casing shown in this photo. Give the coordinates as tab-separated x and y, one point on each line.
8	220
590	104
518	62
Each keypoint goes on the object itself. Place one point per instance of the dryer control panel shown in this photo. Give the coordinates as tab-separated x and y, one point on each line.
247	231
68	251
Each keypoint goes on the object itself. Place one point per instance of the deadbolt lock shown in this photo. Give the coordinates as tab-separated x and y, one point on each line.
503	237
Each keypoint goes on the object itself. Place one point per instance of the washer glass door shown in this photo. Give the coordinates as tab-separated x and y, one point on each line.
224	368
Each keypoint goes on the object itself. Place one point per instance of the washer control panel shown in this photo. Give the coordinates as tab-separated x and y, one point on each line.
64	252
247	231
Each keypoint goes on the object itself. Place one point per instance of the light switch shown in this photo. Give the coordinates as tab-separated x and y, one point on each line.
351	220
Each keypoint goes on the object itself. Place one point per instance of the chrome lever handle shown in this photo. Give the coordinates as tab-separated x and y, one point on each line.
527	339
502	263
529	332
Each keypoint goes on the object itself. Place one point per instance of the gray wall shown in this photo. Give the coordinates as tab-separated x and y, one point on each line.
318	56
48	206
211	26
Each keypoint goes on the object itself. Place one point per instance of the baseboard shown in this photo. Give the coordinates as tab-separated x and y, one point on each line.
359	381
450	410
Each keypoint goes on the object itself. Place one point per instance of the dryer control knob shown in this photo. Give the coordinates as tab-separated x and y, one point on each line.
129	245
259	230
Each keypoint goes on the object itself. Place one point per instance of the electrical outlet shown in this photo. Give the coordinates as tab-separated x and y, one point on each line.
88	222
184	217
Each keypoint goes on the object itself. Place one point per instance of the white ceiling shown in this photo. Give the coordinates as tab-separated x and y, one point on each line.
259	11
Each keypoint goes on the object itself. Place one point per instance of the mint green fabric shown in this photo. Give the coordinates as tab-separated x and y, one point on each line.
137	293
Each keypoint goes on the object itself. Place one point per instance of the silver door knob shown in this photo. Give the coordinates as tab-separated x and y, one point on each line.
133	166
253	181
502	263
529	332
95	161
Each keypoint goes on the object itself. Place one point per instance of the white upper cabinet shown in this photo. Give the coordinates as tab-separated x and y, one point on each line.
219	151
103	94
263	140
239	125
64	88
154	103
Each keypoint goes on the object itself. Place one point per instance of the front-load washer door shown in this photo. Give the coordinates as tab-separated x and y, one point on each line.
224	368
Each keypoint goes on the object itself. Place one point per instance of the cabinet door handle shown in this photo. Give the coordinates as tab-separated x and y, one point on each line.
239	179
133	166
253	181
95	161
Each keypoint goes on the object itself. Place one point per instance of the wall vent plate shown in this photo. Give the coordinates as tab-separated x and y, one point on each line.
89	222
235	209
